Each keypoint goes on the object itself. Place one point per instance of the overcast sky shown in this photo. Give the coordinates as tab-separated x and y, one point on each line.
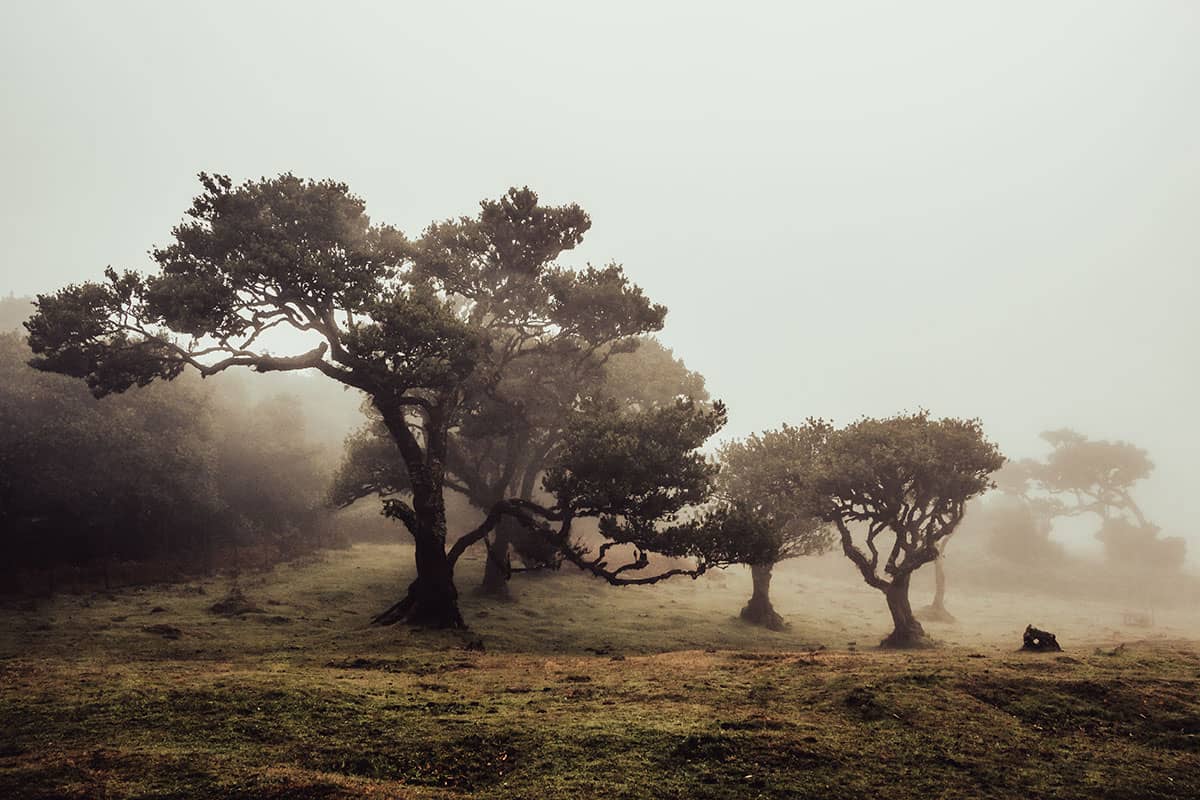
850	208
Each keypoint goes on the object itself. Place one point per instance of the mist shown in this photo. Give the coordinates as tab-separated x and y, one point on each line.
532	399
848	210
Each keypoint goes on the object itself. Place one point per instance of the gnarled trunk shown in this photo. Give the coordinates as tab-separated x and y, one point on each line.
907	632
936	611
759	610
431	600
496	565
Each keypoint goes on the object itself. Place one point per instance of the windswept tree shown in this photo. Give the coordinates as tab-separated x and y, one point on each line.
511	438
1086	476
896	488
1096	476
767	501
426	330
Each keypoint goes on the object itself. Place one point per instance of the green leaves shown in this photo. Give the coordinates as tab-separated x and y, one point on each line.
770	484
414	340
906	476
80	331
636	469
880	468
272	241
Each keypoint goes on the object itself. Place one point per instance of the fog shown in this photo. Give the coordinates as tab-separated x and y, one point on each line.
849	209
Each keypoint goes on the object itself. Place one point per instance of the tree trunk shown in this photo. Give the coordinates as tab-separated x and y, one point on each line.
495	570
432	600
759	610
936	611
907	631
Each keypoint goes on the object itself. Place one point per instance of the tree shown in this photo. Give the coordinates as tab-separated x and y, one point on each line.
159	476
1097	477
909	478
766	489
427	330
83	485
1018	519
503	447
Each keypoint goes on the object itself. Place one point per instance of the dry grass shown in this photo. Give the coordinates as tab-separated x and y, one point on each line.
584	691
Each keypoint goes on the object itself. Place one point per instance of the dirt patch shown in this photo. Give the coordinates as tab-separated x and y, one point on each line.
234	604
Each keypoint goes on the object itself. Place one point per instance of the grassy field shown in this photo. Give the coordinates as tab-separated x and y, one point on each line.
584	690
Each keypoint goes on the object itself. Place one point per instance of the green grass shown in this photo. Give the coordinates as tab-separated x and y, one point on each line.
583	691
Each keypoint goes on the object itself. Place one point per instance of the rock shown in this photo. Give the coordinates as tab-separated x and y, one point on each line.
1040	641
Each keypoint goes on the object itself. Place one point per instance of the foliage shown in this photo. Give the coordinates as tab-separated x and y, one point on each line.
1130	544
1097	475
909	476
1086	476
767	485
433	331
166	472
1017	520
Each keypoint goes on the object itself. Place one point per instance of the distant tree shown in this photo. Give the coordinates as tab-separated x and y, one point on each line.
767	502
1139	545
1097	475
268	476
1018	518
908	479
1085	476
81	485
162	475
427	330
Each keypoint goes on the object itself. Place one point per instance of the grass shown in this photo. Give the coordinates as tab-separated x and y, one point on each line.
583	690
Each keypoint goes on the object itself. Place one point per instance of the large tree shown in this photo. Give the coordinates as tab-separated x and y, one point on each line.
767	502
895	489
427	330
513	436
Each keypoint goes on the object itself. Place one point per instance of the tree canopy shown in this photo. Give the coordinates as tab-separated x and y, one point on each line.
906	479
434	331
177	473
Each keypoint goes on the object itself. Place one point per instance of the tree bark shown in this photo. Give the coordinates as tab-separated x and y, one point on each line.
759	610
495	570
907	632
936	611
432	599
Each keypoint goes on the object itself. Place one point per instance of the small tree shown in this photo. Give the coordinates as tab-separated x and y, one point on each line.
908	479
766	485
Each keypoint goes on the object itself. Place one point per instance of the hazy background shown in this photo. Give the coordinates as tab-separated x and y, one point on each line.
850	208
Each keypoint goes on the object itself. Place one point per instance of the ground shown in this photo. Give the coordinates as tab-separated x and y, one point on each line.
585	690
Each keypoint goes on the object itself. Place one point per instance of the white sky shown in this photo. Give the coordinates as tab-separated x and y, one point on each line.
850	208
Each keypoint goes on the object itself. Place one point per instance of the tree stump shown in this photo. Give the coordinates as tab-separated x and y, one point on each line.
1040	641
